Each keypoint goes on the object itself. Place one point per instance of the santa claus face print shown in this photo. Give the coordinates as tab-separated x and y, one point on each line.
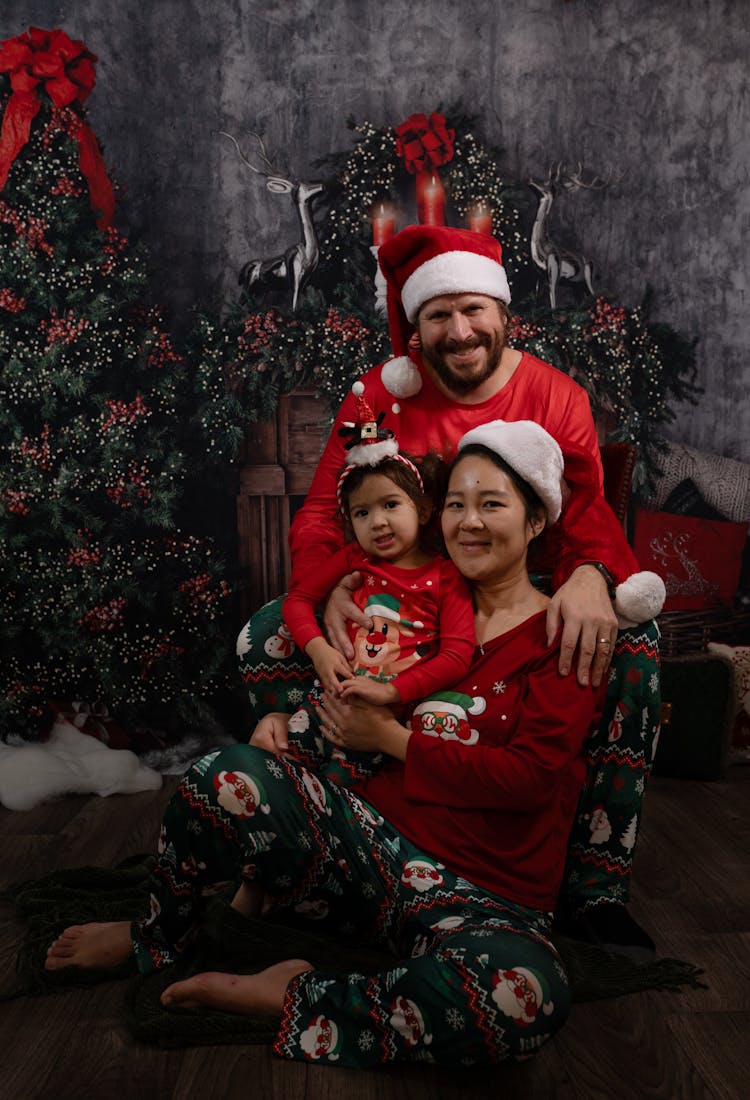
385	521
484	521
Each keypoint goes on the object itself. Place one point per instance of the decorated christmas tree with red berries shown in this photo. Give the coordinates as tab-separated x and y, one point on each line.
112	598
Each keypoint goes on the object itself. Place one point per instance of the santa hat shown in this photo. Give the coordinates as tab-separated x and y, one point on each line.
386	606
530	451
425	261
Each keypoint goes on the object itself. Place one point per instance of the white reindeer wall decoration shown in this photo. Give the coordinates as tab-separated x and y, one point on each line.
294	266
559	264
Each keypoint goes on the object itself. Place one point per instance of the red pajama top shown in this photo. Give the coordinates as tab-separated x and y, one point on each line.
423	619
587	529
490	793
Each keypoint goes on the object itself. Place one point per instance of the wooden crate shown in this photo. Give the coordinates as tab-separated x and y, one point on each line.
277	464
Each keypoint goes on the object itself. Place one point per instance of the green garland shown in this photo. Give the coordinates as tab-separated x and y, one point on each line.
632	369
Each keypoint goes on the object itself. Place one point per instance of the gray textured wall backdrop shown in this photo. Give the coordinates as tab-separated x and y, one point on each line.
658	92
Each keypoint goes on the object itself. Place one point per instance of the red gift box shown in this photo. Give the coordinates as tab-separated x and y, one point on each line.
698	559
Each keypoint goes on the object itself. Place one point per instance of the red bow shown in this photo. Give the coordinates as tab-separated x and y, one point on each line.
424	142
50	61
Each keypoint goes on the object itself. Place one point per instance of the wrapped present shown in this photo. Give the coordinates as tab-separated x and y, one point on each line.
93	719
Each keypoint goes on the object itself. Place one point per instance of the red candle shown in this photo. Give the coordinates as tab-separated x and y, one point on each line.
383	225
480	219
430	199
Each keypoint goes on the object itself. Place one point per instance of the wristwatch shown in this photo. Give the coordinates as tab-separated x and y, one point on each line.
608	578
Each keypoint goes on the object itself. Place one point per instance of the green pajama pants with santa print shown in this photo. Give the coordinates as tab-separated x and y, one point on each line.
618	755
474	978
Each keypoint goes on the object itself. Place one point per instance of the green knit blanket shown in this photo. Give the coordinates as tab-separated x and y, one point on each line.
231	942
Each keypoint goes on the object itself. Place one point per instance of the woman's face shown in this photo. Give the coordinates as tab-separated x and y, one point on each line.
484	521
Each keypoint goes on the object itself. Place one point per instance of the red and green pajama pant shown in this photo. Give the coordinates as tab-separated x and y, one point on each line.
618	755
474	978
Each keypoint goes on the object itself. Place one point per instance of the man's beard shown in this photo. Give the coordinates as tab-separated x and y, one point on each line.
457	383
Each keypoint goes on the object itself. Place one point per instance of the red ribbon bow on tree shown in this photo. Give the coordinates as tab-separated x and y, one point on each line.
49	61
424	142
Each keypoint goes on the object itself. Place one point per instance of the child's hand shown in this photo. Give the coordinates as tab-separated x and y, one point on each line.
361	687
332	668
271	733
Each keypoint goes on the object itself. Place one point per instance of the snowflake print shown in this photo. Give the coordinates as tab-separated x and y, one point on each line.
368	890
275	768
370	580
347	928
362	855
194	826
303	840
612	675
295	697
184	910
653	682
455	1019
574	876
284	881
560	970
253	699
499	687
640	785
618	890
599	779
366	1040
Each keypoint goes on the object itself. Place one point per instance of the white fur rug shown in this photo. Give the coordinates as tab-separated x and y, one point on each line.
70	762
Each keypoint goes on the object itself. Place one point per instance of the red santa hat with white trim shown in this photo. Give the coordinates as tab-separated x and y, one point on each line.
426	261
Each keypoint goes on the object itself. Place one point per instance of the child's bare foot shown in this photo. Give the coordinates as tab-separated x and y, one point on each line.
246	994
91	946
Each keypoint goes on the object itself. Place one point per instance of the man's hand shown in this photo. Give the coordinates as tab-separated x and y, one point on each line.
271	733
339	608
332	669
583	607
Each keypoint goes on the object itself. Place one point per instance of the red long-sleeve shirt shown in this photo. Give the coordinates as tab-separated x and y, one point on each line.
587	530
427	648
493	799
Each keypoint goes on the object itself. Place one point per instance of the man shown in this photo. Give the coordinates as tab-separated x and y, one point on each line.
447	296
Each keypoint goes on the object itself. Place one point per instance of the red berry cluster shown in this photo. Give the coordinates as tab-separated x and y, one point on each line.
120	413
200	596
607	316
15	502
64	186
523	330
114	244
104	617
150	657
258	332
62	120
32	230
162	353
120	492
63	329
37	450
11	301
348	328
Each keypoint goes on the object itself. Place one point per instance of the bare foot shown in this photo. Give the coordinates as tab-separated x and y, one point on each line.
249	899
91	946
246	994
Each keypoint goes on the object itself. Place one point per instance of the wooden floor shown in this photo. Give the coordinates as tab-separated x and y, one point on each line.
692	891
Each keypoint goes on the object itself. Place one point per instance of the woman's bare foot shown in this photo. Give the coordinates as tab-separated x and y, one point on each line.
246	994
91	946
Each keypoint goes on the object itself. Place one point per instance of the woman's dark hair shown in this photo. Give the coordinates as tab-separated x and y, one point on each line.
533	503
433	473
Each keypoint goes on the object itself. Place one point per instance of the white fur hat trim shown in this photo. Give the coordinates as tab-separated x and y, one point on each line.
371	454
639	598
530	451
401	377
454	272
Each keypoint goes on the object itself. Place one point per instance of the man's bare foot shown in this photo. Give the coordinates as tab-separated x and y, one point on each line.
246	994
91	946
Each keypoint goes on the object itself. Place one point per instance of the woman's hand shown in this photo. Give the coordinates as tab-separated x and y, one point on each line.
339	608
362	727
583	607
271	733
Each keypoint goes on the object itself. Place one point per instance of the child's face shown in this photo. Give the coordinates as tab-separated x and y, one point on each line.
384	518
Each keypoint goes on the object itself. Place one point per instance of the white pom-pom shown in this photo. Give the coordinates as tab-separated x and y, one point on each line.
639	598
358	388
401	377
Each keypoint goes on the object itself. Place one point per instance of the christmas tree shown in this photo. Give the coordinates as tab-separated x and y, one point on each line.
106	596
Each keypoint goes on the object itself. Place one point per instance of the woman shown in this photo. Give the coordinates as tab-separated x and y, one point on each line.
450	857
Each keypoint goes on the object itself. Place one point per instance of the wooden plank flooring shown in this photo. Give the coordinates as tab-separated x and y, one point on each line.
692	891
